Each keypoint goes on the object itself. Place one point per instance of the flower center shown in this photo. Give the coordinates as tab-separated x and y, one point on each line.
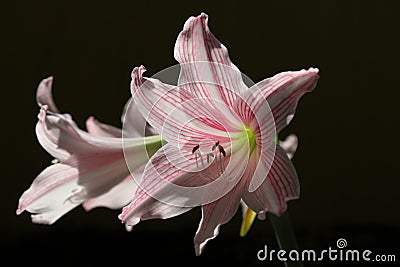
251	138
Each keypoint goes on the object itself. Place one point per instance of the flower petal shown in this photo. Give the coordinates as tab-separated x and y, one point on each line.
256	114
204	59
214	215
290	145
53	193
176	115
134	124
280	186
51	216
44	95
283	92
119	196
100	129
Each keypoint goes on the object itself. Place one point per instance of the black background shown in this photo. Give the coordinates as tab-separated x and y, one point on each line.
347	158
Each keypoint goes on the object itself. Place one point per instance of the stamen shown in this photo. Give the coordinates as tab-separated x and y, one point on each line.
202	162
219	170
221	163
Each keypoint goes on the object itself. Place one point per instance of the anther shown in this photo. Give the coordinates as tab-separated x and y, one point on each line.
195	148
221	150
215	146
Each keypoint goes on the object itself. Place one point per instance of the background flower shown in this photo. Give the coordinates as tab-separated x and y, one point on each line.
89	167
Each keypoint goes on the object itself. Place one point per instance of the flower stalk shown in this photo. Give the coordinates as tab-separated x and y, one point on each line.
285	235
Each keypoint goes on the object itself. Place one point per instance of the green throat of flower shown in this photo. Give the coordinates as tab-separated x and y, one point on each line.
153	143
251	138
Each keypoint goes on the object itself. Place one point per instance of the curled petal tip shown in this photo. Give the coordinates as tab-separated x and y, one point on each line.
199	17
48	81
137	73
203	15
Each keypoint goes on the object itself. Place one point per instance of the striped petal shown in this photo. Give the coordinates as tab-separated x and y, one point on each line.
54	192
180	118
256	114
283	92
204	59
280	186
216	214
290	146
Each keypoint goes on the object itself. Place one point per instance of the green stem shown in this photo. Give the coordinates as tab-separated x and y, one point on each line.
285	236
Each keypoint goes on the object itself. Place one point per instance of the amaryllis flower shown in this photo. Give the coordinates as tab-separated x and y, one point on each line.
220	136
90	167
290	146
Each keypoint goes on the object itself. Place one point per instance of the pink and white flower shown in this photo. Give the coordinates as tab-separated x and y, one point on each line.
90	167
220	136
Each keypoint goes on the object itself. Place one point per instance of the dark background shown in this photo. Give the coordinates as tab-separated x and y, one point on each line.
347	156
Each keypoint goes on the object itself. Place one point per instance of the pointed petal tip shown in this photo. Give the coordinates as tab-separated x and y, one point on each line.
193	20
198	249
47	81
202	16
19	211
